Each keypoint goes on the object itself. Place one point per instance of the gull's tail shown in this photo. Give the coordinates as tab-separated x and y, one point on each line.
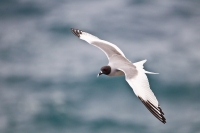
139	66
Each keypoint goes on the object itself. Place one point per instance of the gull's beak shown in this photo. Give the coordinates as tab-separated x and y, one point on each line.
99	74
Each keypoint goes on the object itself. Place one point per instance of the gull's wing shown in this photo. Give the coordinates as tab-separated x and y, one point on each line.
108	48
137	79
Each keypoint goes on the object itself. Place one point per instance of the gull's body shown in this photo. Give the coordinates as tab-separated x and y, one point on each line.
134	73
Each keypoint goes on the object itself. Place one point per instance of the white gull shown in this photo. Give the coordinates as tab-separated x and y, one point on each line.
134	73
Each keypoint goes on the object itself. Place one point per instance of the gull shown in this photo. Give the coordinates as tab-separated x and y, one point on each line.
134	73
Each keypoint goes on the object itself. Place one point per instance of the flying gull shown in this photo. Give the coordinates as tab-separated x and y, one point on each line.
134	73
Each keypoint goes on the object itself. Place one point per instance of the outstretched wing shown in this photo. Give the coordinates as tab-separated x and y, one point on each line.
108	48
138	81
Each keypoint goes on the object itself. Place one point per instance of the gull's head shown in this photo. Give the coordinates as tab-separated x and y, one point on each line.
105	70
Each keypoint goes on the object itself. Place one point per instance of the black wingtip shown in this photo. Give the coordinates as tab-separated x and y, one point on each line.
76	32
154	110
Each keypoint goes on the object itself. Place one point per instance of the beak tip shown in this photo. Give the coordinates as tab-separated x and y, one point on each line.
99	74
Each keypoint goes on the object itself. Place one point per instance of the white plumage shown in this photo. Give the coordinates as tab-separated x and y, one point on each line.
134	72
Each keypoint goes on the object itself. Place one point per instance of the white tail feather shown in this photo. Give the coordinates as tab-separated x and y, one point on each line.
150	72
139	65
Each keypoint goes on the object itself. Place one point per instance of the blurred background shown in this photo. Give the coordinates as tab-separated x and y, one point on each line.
48	78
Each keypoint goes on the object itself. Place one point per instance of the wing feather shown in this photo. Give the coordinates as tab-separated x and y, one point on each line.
156	111
108	48
140	85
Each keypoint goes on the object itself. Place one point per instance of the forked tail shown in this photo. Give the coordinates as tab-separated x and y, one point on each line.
139	66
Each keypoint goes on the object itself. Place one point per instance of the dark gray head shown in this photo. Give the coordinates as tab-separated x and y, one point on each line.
105	70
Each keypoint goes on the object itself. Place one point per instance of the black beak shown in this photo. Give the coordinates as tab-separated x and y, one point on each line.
99	74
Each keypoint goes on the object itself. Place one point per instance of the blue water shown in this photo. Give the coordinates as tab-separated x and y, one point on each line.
48	78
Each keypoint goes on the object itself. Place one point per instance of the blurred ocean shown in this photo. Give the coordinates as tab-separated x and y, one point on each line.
48	78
